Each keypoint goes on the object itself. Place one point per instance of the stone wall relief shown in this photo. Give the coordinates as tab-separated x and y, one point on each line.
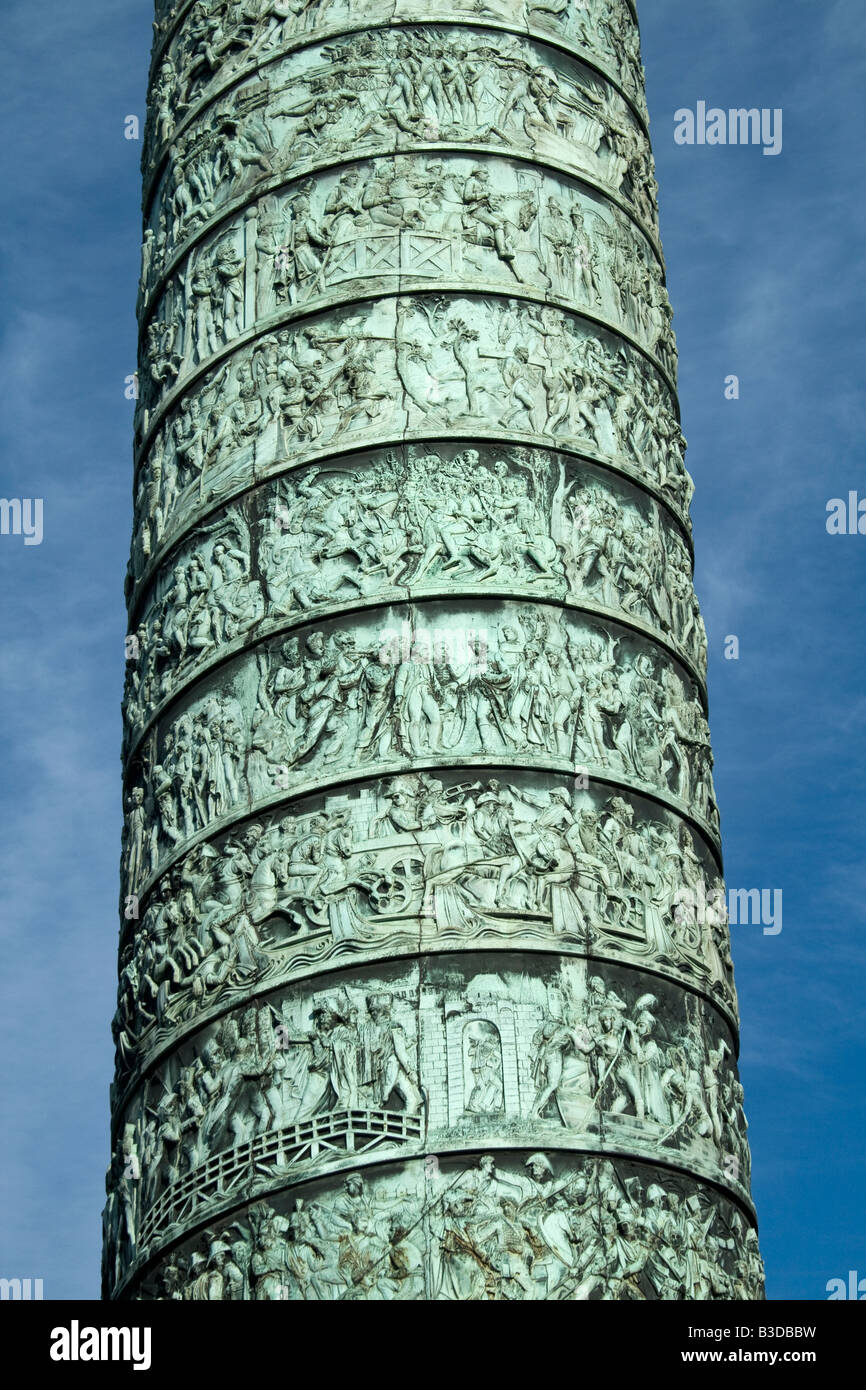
219	41
565	1048
401	219
201	309
420	862
428	362
320	973
402	89
498	682
505	1226
411	522
458	1054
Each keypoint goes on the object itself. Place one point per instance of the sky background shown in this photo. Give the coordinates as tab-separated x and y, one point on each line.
765	268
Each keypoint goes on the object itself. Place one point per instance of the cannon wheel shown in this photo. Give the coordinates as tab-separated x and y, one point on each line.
395	890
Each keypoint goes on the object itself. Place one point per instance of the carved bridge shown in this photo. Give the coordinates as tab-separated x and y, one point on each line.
269	1155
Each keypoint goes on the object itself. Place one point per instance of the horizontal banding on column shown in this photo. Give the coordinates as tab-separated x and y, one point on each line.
480	1072
208	221
458	524
165	497
287	627
532	100
421	855
404	683
443	1199
163	128
308	960
424	861
372	227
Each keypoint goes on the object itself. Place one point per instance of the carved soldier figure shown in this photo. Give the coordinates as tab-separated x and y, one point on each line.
388	1067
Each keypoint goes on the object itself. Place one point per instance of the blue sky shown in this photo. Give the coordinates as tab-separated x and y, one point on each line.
765	264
